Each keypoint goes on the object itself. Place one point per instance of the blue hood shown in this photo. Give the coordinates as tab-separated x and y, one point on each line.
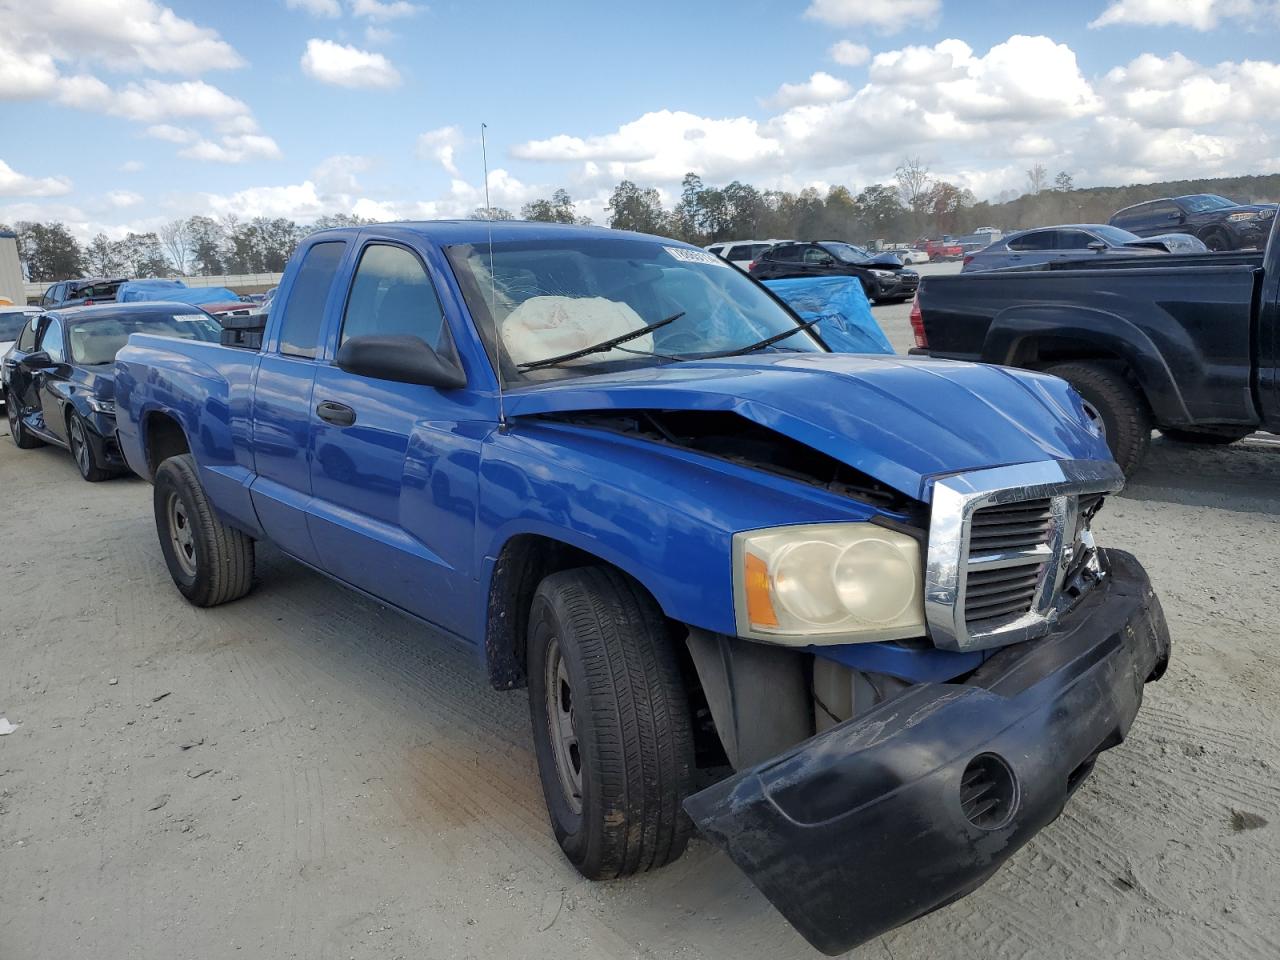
901	421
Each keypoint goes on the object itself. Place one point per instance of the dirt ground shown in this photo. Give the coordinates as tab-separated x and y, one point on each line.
304	774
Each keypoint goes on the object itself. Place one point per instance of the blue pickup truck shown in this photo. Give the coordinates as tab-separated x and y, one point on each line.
842	614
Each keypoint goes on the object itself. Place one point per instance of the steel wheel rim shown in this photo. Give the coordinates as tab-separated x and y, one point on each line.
1095	416
79	448
562	727
181	538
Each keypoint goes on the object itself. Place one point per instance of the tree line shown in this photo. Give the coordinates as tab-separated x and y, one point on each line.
916	205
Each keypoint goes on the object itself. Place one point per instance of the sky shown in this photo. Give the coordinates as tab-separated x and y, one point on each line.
119	115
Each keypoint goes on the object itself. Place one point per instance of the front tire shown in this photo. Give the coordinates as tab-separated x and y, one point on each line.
210	562
82	450
1125	414
1217	240
21	439
611	726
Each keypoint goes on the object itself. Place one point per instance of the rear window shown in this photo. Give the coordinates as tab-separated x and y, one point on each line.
1040	240
11	324
95	291
304	309
743	251
786	253
98	341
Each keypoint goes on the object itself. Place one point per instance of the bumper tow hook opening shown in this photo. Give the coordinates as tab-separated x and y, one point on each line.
988	792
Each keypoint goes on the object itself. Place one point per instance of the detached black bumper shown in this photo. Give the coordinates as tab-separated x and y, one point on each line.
864	827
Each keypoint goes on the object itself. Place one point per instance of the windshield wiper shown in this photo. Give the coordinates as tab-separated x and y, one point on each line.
603	347
766	342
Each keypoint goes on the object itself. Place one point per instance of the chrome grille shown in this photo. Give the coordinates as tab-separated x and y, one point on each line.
1006	560
1000	544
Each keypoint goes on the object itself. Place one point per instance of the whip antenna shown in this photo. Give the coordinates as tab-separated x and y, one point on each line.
493	296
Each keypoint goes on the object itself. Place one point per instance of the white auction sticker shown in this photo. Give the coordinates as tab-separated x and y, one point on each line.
695	256
190	317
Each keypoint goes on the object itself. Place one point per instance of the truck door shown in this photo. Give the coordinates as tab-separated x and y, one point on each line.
393	468
282	402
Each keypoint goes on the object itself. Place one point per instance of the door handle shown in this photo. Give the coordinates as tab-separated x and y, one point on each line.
339	414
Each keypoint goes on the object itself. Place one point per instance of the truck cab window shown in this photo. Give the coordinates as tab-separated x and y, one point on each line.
392	294
304	309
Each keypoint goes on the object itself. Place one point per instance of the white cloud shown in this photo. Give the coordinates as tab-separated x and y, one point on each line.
236	148
886	16
377	36
383	9
15	184
440	145
849	54
119	199
120	34
132	166
819	88
151	101
167	131
25	74
317	8
1196	14
337	174
347	66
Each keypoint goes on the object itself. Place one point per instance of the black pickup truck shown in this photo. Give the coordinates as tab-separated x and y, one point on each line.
1189	345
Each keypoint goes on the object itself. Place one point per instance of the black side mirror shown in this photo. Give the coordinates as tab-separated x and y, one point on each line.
35	361
402	358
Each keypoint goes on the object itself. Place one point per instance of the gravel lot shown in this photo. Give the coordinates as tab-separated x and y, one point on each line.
304	774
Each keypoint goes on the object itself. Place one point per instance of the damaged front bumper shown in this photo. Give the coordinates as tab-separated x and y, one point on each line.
916	803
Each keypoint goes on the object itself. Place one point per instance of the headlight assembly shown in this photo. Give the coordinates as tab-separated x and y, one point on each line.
1250	215
883	274
100	405
827	583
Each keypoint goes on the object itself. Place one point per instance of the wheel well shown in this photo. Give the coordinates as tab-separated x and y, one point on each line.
525	561
1036	353
163	438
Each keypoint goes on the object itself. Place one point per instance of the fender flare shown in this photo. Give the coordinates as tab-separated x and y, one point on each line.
1109	334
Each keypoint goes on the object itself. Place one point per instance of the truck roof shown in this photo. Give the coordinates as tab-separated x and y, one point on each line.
447	232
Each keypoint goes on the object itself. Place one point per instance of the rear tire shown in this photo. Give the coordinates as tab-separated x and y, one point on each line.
82	450
1126	416
21	439
611	726
1211	438
210	562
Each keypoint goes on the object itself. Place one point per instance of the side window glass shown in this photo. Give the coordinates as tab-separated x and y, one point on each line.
51	342
741	252
304	311
785	254
818	256
27	340
1075	240
392	295
1040	240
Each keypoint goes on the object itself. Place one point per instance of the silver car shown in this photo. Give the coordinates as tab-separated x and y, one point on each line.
1073	241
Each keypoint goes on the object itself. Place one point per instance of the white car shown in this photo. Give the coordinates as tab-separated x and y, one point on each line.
741	253
12	320
909	255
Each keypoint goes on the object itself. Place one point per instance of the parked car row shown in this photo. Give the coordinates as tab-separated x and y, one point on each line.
58	375
837	610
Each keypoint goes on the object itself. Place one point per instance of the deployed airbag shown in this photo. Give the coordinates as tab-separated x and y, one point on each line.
544	327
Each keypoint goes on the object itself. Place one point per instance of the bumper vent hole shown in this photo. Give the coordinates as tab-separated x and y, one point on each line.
988	792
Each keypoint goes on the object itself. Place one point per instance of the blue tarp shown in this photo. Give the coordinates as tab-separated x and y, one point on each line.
174	291
847	325
136	291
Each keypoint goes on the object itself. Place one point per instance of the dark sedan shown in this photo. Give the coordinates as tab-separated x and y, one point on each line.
59	377
1221	224
883	277
1073	241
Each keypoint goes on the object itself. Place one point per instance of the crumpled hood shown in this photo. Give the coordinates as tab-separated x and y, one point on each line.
901	421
